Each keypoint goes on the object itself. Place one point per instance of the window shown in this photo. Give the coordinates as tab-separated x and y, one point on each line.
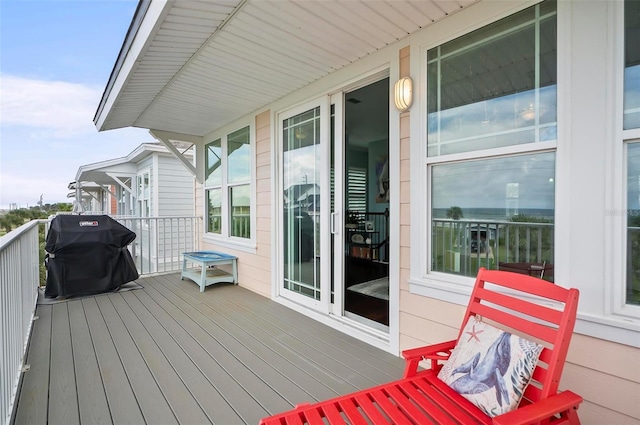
228	185
491	138
631	64
631	122
144	195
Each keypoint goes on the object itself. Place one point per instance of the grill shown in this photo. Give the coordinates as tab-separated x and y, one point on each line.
87	254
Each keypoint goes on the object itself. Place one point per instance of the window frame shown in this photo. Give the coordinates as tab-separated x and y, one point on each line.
141	198
224	238
615	299
424	281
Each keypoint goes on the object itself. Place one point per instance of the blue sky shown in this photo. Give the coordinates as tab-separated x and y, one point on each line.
55	59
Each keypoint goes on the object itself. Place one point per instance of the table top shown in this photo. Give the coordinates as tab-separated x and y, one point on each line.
209	255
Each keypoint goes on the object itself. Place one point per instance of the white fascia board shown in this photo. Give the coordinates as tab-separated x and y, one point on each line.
144	35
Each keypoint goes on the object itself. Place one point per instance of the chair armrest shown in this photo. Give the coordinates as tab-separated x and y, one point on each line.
543	409
434	353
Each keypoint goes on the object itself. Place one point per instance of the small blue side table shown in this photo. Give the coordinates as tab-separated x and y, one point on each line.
207	274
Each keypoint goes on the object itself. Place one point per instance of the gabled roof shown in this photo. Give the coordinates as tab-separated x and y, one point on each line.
191	67
102	172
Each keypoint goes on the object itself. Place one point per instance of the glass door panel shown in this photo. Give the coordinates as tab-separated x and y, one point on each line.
302	183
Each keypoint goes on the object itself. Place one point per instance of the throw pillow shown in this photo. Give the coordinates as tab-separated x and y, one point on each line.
490	367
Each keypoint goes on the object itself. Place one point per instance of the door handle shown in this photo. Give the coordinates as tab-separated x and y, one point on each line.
332	224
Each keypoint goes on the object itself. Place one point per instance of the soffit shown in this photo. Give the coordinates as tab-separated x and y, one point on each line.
211	62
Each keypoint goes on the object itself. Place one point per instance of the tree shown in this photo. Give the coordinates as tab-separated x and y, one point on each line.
454	213
5	224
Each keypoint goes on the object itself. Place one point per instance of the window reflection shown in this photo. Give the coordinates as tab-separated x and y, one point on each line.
495	86
491	212
632	64
492	88
301	218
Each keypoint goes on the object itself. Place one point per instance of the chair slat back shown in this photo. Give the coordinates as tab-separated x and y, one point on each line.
534	309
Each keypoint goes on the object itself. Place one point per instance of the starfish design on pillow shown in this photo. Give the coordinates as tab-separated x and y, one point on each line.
474	334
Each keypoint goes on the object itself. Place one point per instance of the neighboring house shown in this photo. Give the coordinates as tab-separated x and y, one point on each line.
524	119
149	182
90	197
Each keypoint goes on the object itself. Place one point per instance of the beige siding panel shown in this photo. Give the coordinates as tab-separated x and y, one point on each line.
263	186
263	238
425	330
405	236
433	310
592	414
264	224
263	158
405	192
405	148
589	352
404	279
405	214
263	211
405	171
617	394
263	173
263	133
405	257
263	198
265	248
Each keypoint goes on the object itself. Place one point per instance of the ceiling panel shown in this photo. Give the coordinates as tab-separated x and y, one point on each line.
210	62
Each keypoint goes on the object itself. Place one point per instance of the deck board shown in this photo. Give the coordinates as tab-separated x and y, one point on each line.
63	393
131	381
170	354
92	400
34	393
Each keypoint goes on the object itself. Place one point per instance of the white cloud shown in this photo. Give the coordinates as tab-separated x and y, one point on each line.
50	108
26	191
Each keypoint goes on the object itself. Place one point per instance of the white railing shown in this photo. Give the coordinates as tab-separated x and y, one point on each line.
160	241
461	246
19	280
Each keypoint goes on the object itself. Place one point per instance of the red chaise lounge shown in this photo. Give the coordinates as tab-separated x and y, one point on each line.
533	312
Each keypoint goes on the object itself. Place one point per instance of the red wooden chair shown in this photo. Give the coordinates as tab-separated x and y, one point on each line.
522	305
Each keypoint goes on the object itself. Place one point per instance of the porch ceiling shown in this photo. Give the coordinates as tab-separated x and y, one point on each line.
198	65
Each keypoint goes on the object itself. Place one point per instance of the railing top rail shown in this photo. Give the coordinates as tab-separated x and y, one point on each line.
492	221
129	217
8	239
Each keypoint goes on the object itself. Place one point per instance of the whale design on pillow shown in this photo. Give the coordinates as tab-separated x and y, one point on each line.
480	376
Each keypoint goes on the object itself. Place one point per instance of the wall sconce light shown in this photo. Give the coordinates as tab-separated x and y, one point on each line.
403	91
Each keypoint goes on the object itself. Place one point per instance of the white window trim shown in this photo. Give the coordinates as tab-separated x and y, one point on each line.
615	300
142	198
614	321
224	239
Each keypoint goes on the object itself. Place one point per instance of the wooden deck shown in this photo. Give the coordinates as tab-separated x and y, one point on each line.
168	354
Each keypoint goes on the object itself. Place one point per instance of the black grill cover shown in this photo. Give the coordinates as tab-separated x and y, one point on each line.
87	254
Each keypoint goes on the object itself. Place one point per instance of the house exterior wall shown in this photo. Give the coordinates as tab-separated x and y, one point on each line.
596	369
605	373
175	188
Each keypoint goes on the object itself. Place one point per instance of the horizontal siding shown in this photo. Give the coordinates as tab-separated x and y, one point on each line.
176	188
